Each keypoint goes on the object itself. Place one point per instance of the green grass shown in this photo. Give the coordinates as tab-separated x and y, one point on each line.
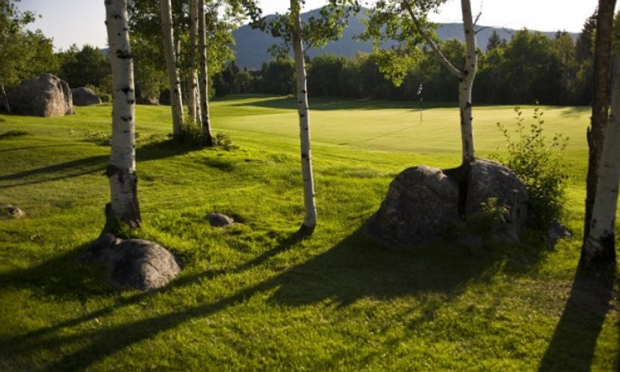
253	297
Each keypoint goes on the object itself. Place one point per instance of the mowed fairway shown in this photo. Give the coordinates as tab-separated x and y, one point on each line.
253	297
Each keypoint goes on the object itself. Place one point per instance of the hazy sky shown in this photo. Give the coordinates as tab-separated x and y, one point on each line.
81	21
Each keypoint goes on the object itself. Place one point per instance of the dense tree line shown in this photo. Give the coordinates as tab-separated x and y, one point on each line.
530	67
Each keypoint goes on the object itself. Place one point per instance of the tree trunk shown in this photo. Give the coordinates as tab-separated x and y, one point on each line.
466	76
600	102
173	73
121	169
599	247
304	123
204	77
5	99
192	101
466	82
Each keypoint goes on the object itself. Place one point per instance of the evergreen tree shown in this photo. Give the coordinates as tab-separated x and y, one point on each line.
494	41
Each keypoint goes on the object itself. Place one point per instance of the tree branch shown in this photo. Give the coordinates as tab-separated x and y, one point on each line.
453	70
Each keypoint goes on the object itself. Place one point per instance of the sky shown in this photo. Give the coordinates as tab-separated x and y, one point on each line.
81	21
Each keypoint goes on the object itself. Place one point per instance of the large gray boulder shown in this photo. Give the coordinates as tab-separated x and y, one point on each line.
46	96
83	96
488	179
133	263
424	203
421	203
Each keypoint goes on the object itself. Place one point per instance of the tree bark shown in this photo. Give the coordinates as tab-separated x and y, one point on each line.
192	101
467	83
173	73
5	99
204	78
599	247
304	122
600	102
121	169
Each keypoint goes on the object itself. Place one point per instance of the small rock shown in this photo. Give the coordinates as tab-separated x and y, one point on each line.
556	232
12	211
219	220
133	263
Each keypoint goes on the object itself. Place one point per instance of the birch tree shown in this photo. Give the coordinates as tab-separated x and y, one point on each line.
600	101
205	121
193	96
604	144
121	170
405	21
313	33
304	122
174	80
599	247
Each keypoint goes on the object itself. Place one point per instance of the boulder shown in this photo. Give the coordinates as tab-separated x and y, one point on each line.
133	263
488	179
147	101
424	204
219	220
85	97
421	203
46	96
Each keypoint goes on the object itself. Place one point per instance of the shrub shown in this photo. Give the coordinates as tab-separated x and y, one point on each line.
537	162
191	134
481	223
223	139
100	138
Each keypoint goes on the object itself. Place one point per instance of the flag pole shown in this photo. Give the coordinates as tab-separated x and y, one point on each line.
421	104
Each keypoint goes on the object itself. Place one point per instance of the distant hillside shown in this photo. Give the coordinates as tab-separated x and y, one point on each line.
251	45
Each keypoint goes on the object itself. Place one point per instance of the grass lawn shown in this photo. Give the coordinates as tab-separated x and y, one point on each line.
252	297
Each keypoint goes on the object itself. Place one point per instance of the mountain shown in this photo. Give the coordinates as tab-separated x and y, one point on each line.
251	45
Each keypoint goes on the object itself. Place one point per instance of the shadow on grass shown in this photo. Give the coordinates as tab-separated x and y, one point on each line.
59	278
574	340
331	104
35	147
13	134
90	165
56	172
351	270
575	110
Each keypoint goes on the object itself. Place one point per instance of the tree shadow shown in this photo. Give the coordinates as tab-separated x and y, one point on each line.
59	278
34	147
163	149
90	165
70	169
353	269
332	104
574	340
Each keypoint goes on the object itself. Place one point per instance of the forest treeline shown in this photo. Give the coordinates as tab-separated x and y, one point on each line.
529	68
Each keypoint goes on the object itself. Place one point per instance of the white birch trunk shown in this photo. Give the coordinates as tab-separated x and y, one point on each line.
192	101
121	169
174	81
204	77
466	75
5	98
304	122
599	247
466	84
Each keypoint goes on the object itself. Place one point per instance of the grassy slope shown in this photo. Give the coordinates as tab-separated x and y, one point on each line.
252	297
